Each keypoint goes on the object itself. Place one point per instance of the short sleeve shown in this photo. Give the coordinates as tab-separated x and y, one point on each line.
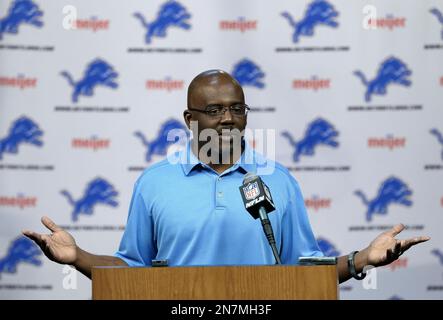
298	240
137	246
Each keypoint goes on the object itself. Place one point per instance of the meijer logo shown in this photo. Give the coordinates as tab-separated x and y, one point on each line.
20	201
94	143
20	81
313	84
167	84
389	142
241	24
317	203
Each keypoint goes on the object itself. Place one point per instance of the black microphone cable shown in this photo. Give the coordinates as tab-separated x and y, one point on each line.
267	228
258	204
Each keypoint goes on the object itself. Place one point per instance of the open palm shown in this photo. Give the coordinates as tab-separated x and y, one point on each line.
59	246
385	248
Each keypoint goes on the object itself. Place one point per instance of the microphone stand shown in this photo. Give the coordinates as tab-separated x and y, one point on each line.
267	228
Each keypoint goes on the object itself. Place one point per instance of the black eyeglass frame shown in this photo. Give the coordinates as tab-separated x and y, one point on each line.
224	109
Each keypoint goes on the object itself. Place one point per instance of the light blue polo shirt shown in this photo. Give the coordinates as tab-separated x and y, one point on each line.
191	215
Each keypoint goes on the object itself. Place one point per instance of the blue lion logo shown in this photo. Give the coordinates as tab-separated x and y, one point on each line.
98	191
391	71
159	146
98	72
20	12
438	254
171	14
319	132
23	130
318	12
21	250
247	73
391	191
439	16
327	248
439	137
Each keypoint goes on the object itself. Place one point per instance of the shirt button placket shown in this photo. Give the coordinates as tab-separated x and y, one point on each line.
219	192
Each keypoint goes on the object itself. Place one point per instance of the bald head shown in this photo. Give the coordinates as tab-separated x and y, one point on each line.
212	83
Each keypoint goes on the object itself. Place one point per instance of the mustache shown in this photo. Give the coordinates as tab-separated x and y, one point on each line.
229	131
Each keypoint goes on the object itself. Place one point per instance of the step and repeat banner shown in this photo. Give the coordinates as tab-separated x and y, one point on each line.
352	89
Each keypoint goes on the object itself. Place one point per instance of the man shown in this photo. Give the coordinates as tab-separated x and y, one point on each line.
191	212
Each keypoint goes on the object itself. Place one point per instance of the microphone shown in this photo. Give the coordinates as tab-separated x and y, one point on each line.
258	202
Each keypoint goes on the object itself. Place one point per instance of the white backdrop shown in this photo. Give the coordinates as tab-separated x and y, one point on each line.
290	85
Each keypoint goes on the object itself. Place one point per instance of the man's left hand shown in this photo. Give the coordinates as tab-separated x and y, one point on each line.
386	248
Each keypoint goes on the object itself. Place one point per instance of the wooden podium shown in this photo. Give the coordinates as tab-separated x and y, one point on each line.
216	283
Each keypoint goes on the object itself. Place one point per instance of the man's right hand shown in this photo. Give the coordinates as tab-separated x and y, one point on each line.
59	246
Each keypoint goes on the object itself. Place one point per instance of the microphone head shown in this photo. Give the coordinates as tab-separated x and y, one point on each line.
249	177
255	194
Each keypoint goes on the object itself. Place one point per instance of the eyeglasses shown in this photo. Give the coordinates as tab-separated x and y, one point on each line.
218	110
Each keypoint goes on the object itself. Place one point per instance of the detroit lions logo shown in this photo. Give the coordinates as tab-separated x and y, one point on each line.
21	250
327	248
319	12
20	12
171	14
319	132
391	71
438	254
247	73
439	137
23	130
98	72
391	191
439	16
159	146
98	191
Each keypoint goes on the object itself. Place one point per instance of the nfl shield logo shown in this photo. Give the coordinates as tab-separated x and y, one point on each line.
251	191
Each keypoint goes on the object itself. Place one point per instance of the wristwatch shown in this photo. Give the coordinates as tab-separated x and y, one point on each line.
351	267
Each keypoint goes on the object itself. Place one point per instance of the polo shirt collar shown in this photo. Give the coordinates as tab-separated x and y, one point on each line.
247	160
